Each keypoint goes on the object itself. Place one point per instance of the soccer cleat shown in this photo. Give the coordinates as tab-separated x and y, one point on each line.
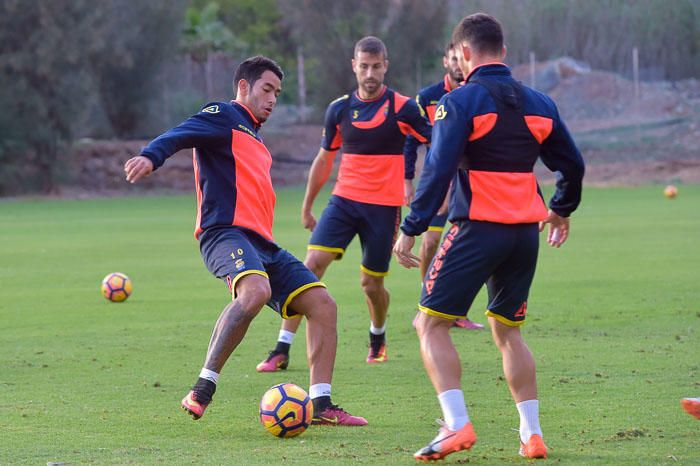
378	356
691	406
274	362
334	415
192	406
467	324
447	442
534	448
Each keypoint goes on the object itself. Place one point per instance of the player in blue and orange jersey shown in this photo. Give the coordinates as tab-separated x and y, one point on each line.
371	125
488	134
235	203
428	99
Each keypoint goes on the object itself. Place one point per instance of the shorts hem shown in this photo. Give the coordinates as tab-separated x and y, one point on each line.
432	312
296	293
243	274
372	272
440	229
317	247
503	320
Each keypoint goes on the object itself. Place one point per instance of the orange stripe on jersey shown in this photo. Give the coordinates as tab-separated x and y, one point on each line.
482	125
255	198
338	138
377	119
374	179
430	109
198	225
502	197
407	129
399	101
540	127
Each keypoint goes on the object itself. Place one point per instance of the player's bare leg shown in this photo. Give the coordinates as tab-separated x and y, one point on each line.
278	359
252	292
519	370
321	343
441	361
377	299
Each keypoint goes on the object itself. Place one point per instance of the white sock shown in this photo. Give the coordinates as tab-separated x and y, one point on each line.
454	410
529	419
319	389
377	330
286	336
209	375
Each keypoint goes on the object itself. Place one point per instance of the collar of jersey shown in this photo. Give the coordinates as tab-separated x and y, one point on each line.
492	68
357	95
253	120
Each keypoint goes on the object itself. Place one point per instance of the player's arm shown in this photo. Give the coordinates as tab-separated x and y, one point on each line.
560	154
322	165
441	163
321	169
410	155
202	128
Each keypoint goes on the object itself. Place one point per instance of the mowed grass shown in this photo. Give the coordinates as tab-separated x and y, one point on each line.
614	323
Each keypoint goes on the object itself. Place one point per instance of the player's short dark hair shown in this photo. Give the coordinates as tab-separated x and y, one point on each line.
483	33
449	46
371	45
252	68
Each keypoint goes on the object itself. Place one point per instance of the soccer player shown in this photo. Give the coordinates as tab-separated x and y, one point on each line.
488	135
427	100
236	202
371	125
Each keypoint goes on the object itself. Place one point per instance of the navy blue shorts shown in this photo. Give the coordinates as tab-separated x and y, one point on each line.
376	225
231	253
438	222
473	253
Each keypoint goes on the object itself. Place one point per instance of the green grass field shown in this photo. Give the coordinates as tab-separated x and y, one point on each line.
614	323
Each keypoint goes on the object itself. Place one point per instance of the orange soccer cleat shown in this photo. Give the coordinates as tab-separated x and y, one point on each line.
447	442
534	448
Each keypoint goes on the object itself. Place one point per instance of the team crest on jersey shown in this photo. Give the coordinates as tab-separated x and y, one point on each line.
211	109
239	264
440	113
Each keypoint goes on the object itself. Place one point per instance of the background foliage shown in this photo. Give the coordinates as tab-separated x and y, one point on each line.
129	69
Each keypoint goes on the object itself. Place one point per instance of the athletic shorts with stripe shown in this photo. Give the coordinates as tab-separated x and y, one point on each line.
376	225
472	254
233	252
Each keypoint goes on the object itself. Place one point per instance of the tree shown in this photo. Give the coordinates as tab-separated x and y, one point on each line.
44	74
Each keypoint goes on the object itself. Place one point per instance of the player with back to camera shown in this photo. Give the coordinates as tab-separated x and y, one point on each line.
371	125
488	135
427	100
235	203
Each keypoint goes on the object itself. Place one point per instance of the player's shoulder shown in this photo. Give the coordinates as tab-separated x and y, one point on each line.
340	101
538	103
219	111
433	92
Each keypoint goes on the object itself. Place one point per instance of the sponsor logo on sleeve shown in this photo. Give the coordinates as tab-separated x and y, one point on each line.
440	113
211	109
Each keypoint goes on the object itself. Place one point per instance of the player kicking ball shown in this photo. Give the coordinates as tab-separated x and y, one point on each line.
235	208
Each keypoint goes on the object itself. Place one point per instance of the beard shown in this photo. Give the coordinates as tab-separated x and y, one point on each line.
370	85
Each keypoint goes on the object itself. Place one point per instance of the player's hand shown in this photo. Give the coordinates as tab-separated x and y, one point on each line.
402	251
137	167
558	229
308	220
408	192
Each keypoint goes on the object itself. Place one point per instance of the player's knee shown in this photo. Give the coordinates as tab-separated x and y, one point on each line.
324	308
372	286
253	291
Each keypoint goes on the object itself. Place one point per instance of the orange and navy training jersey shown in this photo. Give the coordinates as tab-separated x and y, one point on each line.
427	99
488	135
231	167
372	134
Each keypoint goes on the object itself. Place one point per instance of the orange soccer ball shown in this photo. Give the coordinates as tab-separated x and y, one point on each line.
116	287
286	410
671	191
